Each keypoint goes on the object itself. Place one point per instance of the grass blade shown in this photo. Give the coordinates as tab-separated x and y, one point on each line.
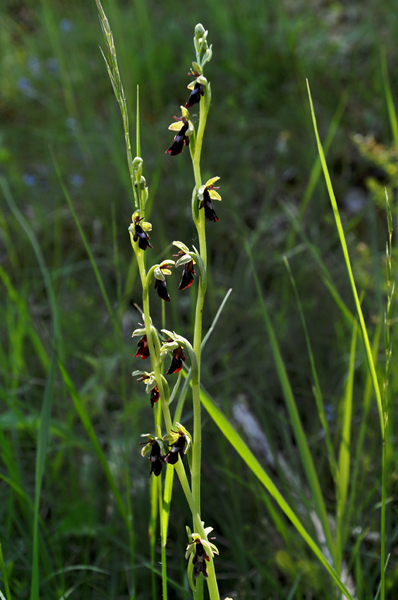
389	99
345	452
305	453
317	391
5	576
85	242
85	419
42	444
343	242
242	449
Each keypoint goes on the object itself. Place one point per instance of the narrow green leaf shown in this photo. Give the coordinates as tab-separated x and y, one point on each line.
42	444
85	419
242	449
317	391
86	244
295	420
3	569
343	242
389	99
343	477
326	277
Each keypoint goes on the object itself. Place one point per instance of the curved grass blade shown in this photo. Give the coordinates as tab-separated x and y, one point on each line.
85	419
305	453
317	391
343	242
242	449
85	242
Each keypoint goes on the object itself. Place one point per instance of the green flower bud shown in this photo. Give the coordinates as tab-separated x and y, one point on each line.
199	30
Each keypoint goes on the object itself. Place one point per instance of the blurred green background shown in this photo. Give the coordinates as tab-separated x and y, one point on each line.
57	107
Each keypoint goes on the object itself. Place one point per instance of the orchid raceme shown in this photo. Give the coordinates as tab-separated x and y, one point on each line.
166	451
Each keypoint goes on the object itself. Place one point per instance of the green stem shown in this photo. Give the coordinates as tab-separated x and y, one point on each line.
383	515
162	545
197	340
211	579
4	573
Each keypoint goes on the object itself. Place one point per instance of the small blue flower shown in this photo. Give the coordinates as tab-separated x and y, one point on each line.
66	25
329	412
25	86
29	179
76	179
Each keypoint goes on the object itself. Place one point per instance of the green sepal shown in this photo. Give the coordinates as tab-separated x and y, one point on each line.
151	439
140	331
196	67
186	258
181	246
167	263
169	347
159	273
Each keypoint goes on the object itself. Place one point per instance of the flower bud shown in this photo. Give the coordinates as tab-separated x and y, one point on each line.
199	30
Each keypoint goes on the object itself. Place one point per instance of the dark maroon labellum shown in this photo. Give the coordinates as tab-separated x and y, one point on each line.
210	213
180	140
154	395
143	349
196	93
161	288
176	449
187	276
176	361
199	560
141	236
155	459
